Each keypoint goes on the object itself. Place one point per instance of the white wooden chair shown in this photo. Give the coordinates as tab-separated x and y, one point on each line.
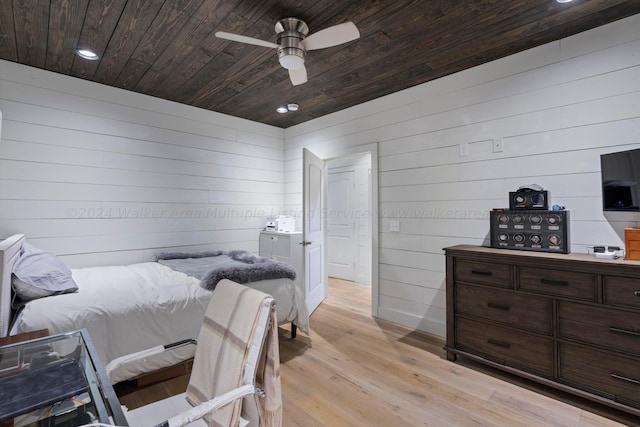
238	342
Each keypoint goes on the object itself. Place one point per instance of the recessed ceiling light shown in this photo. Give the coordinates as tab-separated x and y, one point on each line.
564	1
87	54
289	107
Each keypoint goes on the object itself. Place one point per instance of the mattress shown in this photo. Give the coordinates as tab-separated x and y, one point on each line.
131	308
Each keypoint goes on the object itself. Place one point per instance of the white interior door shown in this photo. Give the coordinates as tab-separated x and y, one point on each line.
341	225
313	230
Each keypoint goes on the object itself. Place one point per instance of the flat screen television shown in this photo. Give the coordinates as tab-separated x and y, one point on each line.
620	177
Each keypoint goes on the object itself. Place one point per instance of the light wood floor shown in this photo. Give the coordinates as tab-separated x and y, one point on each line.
358	371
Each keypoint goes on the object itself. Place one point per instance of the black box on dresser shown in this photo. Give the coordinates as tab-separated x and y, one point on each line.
530	230
529	199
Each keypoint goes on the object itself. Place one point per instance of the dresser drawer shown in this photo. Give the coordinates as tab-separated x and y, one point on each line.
483	273
518	309
503	345
606	327
601	372
622	291
557	282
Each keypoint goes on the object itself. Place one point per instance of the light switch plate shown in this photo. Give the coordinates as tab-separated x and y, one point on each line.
464	149
394	225
497	145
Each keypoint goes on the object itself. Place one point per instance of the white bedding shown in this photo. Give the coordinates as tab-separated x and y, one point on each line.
131	308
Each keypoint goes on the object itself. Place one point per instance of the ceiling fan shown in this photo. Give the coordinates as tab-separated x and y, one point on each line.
293	43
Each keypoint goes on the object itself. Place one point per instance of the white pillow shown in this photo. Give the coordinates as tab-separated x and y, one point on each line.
39	274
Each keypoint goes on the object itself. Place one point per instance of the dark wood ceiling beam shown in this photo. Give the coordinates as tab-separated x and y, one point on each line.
258	65
168	22
399	55
245	60
271	11
265	106
505	35
31	40
99	24
215	93
168	48
358	59
322	73
135	71
370	82
212	84
462	29
137	17
189	37
324	14
65	24
222	56
393	17
8	49
359	70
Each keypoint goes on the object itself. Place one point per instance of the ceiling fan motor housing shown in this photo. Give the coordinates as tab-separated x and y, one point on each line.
291	32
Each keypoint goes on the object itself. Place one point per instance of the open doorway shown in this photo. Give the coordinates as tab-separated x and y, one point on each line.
371	150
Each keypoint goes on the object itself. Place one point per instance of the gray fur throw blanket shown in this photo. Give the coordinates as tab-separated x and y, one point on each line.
238	265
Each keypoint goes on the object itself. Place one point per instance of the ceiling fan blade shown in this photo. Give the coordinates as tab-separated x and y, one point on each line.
332	36
298	76
244	39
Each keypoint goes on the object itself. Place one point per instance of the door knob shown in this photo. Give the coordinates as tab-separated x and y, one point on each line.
305	243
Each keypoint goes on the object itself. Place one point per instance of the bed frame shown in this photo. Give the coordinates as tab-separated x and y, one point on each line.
9	250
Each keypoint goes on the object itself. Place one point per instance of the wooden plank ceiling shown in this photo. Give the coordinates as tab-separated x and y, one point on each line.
167	48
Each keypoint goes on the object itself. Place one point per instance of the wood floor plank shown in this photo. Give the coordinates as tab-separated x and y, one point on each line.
354	370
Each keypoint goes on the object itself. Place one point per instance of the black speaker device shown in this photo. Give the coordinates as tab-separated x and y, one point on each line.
530	230
529	199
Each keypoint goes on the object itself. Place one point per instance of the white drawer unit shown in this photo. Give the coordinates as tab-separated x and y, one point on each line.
285	247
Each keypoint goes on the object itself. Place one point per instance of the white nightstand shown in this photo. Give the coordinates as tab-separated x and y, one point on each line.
285	247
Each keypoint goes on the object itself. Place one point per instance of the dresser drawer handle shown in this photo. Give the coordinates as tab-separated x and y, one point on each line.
554	282
497	305
627	379
624	331
482	273
499	343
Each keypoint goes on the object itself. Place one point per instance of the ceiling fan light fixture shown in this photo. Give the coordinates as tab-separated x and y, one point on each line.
293	43
291	61
87	54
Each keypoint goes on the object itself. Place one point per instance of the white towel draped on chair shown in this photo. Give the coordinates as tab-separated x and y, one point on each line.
229	330
237	346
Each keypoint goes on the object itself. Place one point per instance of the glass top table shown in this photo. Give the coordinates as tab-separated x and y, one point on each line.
56	380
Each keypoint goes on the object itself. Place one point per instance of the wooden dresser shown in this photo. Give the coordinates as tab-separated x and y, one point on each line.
571	321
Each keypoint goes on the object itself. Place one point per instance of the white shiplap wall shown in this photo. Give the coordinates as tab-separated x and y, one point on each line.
101	176
556	108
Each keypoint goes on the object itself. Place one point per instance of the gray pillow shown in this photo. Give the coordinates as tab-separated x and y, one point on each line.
40	274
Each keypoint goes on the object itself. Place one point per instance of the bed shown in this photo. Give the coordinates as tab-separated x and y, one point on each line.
128	308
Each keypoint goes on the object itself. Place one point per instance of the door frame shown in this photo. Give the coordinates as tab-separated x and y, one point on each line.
372	149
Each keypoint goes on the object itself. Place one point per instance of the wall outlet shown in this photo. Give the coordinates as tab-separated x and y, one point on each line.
497	145
394	225
464	148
